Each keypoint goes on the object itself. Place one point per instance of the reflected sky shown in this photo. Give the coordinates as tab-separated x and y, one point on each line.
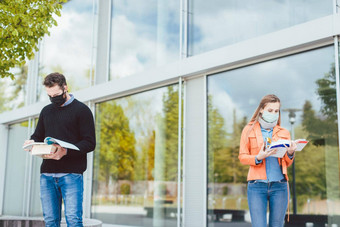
217	23
68	49
144	34
291	78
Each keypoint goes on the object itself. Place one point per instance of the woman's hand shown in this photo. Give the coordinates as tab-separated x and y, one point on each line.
291	149
264	154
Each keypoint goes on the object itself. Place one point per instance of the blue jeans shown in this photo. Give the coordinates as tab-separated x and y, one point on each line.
55	189
259	194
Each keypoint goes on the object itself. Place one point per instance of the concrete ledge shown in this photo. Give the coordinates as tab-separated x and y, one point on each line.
10	221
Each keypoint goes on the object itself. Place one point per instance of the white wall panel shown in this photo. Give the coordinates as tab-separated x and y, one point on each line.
194	156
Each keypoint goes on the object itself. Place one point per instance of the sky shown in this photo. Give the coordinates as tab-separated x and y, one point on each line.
217	23
291	78
146	34
69	46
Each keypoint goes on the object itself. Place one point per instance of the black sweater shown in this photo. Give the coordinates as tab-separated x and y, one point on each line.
72	123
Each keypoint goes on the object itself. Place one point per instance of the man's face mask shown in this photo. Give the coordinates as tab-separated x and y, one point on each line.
59	99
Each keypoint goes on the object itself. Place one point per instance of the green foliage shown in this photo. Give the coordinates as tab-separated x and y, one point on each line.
223	148
170	110
22	24
116	154
13	92
125	189
225	190
317	166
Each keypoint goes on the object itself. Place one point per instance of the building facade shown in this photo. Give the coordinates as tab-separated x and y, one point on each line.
171	85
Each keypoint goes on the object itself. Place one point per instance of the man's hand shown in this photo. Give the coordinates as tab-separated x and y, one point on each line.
28	142
58	154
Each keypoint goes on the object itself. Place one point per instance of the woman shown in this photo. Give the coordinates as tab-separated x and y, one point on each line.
267	176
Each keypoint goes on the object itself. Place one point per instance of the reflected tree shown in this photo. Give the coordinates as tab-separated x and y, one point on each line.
117	155
317	173
170	110
223	148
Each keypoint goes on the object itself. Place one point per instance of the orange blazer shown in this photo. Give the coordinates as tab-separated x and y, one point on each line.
250	145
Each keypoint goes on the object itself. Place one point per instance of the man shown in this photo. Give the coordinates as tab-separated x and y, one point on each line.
61	176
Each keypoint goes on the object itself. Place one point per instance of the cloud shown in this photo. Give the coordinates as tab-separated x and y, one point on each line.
143	38
291	78
224	23
69	46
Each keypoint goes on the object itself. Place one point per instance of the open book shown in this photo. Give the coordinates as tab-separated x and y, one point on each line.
46	147
281	149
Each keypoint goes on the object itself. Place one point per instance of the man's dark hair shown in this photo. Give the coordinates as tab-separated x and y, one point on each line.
54	78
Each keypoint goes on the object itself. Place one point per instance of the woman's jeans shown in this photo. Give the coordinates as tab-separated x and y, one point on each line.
55	189
259	194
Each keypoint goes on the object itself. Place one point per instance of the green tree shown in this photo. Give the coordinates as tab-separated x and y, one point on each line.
170	110
3	97
146	159
116	152
327	93
317	166
218	170
22	24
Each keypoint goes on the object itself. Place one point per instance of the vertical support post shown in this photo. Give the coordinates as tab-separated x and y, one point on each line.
337	74
293	170
179	156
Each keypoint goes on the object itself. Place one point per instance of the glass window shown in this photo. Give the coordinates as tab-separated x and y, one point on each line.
136	159
68	49
144	34
15	170
35	204
305	83
13	92
218	23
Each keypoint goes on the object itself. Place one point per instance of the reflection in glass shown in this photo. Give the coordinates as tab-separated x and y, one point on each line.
13	92
35	204
218	23
304	82
144	34
15	170
135	162
68	48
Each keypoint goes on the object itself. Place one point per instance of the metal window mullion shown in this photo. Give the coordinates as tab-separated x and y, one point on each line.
205	157
26	176
3	169
31	127
184	142
94	41
335	6
88	181
184	13
336	65
179	175
109	42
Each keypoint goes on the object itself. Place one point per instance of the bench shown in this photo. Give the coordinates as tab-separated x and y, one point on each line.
38	222
171	212
167	212
297	220
236	215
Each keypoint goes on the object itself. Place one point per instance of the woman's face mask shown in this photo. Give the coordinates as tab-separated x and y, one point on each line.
270	117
